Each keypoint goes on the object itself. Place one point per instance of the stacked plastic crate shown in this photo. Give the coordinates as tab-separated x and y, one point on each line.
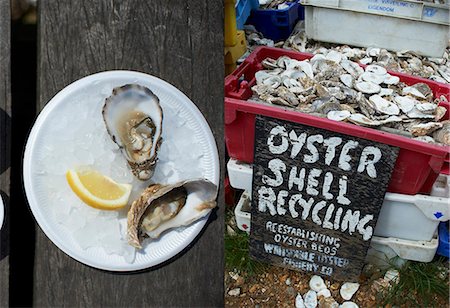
409	218
277	24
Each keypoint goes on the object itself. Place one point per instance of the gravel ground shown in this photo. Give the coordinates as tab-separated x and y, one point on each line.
278	287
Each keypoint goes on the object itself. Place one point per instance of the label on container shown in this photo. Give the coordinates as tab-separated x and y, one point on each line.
316	197
385	7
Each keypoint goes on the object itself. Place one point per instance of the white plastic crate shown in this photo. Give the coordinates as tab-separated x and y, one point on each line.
394	24
409	217
382	249
240	174
242	216
441	187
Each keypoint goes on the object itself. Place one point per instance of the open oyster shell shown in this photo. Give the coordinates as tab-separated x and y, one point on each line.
133	118
163	207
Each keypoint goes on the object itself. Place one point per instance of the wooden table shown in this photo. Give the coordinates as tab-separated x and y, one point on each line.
178	41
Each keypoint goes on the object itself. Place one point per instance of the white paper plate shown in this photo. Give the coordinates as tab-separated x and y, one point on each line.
97	87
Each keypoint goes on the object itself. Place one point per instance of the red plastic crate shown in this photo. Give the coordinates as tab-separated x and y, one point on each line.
418	163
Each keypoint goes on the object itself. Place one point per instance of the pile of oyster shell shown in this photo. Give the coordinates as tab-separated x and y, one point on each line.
409	62
275	4
334	87
133	117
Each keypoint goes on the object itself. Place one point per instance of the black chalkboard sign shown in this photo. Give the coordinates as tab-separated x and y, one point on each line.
316	197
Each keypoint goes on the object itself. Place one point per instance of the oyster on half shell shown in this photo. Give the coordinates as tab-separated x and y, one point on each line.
163	207
133	118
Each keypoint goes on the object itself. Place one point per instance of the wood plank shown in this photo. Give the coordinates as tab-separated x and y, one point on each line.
5	139
180	42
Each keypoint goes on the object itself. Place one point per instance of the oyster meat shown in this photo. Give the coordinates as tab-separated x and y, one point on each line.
133	118
163	207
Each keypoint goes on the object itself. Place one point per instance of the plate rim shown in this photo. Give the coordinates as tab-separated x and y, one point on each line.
27	176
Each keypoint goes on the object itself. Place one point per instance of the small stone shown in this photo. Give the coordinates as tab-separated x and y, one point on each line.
253	289
334	286
291	291
234	292
284	277
288	281
299	301
234	275
310	299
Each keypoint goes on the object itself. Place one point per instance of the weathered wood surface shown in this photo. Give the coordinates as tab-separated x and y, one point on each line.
312	211
180	42
5	125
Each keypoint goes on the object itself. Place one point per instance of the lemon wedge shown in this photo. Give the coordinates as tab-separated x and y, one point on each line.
98	190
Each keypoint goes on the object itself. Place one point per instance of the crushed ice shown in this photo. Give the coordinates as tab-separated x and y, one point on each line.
79	138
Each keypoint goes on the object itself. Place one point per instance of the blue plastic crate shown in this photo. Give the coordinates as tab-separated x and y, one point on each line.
444	242
243	9
277	24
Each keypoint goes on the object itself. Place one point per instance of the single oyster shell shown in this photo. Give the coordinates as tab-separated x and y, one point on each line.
352	68
348	305
348	289
405	103
423	129
260	76
372	77
324	292
424	89
439	113
334	56
365	60
361	119
427	108
337	115
299	303
367	87
376	69
316	283
386	92
389	79
133	118
269	63
163	207
373	51
310	299
417	114
384	106
347	79
303	66
412	91
392	276
437	78
283	61
443	135
272	81
426	139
